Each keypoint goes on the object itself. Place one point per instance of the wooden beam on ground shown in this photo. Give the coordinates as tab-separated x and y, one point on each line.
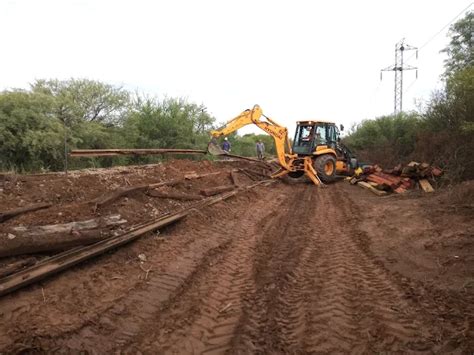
174	195
112	196
18	211
16	266
116	194
425	185
234	178
116	152
217	190
367	186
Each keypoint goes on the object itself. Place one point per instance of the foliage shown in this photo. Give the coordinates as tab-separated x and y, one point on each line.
168	123
31	137
460	50
90	115
85	100
385	139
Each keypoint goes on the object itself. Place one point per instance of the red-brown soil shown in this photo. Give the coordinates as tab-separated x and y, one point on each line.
286	268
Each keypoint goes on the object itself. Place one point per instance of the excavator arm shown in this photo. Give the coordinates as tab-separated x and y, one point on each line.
280	135
253	116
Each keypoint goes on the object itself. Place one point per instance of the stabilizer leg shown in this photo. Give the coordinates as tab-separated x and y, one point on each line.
310	172
280	172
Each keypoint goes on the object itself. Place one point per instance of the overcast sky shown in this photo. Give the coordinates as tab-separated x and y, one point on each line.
296	59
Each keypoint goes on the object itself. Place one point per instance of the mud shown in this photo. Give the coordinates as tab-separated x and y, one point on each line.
287	268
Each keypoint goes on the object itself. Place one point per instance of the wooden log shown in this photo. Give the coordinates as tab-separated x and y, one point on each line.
108	221
16	266
234	178
367	186
425	185
256	173
114	152
124	191
381	181
114	195
250	176
400	190
38	239
392	178
21	210
173	195
216	190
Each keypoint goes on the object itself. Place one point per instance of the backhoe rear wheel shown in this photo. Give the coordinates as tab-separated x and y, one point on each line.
325	166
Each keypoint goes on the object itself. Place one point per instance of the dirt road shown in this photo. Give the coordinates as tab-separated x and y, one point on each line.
277	270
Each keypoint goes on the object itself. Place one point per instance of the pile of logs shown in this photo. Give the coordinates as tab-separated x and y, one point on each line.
397	180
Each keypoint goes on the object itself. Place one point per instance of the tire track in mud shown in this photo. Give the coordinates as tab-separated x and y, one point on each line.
134	317
273	317
359	308
217	294
283	272
317	292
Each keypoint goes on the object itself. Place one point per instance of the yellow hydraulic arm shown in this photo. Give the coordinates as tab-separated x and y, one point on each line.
279	134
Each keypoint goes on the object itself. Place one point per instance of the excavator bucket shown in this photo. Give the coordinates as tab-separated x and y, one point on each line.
214	149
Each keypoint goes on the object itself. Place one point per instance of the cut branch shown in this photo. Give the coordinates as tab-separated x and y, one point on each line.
18	211
174	196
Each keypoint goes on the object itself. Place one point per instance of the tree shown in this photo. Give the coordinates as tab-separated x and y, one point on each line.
170	123
85	100
31	136
460	50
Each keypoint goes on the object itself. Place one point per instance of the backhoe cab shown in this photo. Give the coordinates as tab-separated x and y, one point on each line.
321	140
316	149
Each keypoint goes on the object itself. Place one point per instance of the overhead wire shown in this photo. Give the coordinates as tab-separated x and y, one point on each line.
434	36
442	29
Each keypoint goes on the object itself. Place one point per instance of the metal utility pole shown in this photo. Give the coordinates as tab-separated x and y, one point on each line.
398	68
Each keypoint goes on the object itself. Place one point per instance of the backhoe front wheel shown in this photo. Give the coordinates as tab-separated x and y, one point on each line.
325	166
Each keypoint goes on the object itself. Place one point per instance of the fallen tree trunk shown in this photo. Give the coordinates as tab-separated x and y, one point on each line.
216	190
173	195
17	211
55	237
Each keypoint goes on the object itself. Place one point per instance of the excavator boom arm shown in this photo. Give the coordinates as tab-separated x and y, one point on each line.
279	133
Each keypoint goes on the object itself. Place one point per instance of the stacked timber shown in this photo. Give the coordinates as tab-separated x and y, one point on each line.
398	180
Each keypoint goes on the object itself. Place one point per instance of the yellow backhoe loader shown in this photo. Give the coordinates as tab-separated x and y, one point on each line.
316	152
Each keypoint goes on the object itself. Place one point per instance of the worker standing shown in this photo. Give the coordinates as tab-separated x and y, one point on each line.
226	145
260	149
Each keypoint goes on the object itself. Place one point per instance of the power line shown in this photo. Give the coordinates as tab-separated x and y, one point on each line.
442	29
436	35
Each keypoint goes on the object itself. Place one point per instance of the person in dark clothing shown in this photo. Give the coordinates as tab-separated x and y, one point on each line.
226	145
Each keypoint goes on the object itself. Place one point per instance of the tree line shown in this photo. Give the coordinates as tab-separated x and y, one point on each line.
38	125
443	132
